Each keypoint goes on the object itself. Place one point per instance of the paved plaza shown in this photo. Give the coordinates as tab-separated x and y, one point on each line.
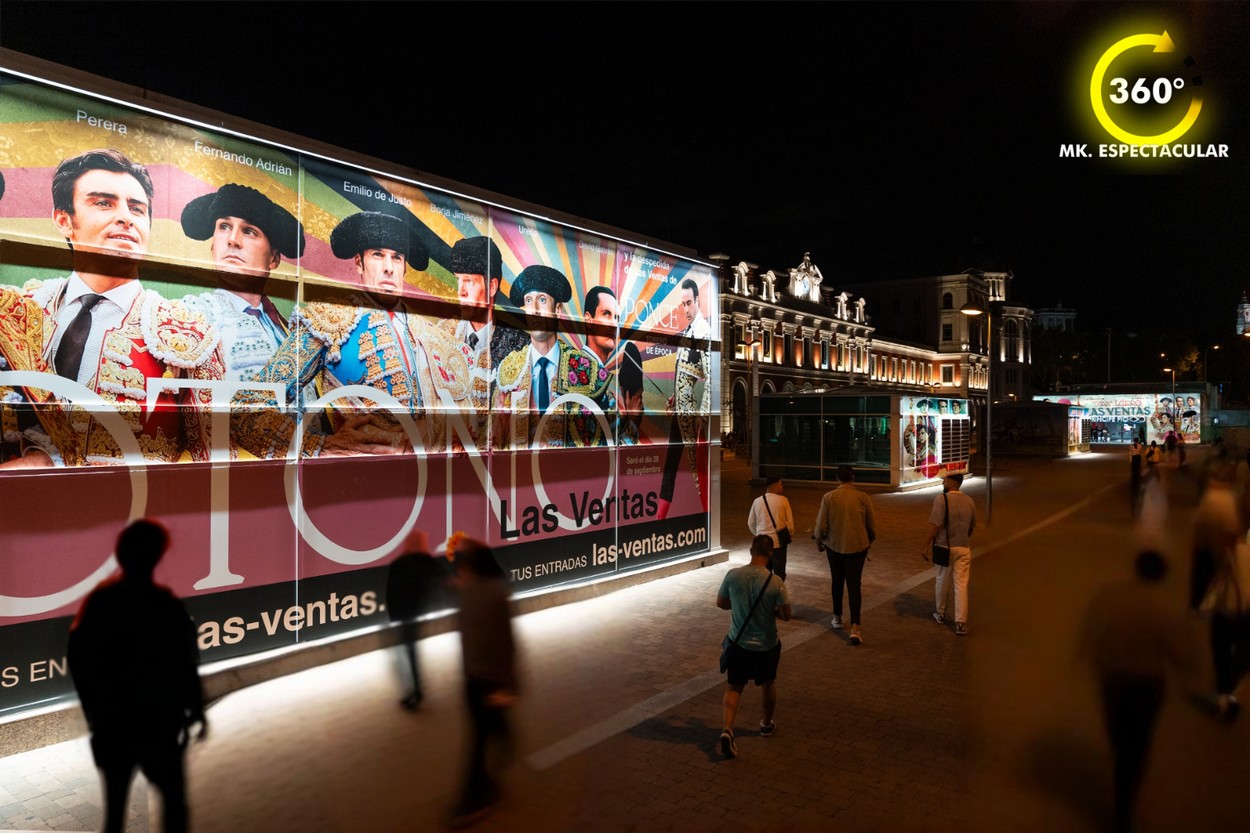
917	729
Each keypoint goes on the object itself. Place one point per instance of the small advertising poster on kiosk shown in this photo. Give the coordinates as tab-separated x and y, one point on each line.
292	362
934	435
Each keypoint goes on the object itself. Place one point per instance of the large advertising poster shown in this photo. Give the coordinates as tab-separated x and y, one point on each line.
292	363
1151	416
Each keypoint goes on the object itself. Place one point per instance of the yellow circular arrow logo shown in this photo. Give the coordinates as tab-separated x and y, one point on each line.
1161	43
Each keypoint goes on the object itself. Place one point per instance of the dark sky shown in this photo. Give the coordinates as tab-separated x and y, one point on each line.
889	139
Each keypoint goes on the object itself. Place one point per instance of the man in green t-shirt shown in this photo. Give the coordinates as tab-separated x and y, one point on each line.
758	649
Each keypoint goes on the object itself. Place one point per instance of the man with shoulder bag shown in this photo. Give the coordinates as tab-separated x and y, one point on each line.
951	523
771	515
756	598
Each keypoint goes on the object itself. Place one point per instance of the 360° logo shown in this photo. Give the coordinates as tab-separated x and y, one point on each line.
1161	43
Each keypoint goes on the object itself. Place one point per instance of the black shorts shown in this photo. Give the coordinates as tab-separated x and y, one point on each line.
761	666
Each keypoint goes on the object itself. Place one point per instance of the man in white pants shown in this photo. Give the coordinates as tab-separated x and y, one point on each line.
951	522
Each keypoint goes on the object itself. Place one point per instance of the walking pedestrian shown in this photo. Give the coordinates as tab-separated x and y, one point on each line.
1228	604
951	523
1135	453
844	530
1154	454
756	599
771	515
1132	636
415	587
490	675
134	660
1217	524
1220	585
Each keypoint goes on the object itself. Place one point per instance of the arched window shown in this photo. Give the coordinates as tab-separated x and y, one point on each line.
740	397
948	301
1011	341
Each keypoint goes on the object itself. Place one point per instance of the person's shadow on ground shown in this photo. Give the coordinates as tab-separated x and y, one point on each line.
687	731
1073	770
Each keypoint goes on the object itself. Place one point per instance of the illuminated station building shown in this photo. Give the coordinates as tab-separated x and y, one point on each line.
889	377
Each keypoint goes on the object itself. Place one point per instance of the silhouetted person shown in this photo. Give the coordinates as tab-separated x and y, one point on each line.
1132	635
490	681
415	586
1135	453
1217	525
1220	584
133	656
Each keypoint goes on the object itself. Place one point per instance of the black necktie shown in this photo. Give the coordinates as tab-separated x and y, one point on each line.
69	353
544	385
472	339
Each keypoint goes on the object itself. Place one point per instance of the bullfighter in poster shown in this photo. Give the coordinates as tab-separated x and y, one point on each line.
380	343
689	408
477	264
103	329
249	234
532	378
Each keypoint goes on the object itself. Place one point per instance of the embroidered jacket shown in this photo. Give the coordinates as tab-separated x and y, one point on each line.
246	346
335	345
515	417
157	338
21	349
693	367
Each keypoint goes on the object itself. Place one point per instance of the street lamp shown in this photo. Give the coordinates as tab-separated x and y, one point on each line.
972	309
1206	377
1175	410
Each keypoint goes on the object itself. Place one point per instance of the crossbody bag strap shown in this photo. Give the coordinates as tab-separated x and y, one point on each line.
757	602
768	509
946	522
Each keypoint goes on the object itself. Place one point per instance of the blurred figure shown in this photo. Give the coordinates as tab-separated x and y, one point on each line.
756	599
1135	453
1217	524
490	679
1228	603
1131	636
134	660
415	586
1220	584
1152	515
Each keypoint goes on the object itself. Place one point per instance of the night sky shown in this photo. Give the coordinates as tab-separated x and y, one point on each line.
889	139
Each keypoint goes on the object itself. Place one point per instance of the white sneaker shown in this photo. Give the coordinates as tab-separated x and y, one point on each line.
837	623
939	618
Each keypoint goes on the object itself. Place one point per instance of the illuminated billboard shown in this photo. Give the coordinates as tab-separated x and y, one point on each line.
935	436
1150	417
292	362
